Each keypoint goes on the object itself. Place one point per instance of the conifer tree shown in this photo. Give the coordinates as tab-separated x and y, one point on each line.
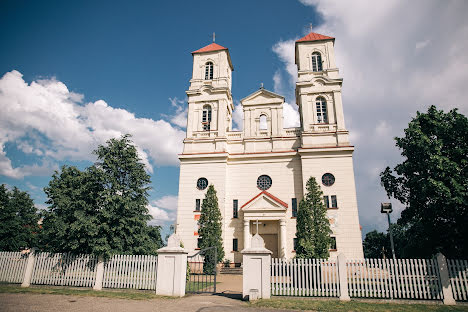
210	230
312	227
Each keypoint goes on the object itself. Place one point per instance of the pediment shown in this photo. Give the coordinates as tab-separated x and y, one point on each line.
262	96
265	202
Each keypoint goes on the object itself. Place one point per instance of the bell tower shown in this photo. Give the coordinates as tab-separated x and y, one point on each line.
318	92
210	104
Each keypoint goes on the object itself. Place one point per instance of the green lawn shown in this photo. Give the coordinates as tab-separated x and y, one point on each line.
120	293
357	306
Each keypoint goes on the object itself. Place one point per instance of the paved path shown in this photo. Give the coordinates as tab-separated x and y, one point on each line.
56	303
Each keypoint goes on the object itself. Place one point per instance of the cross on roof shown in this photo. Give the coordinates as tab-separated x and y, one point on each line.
257	223
214	36
310	26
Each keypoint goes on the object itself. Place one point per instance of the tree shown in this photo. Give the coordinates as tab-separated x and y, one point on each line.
432	183
210	230
312	227
103	209
376	245
18	220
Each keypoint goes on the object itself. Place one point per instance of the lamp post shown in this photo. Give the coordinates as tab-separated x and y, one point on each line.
387	208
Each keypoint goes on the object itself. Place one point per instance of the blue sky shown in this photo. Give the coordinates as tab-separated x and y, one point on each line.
74	74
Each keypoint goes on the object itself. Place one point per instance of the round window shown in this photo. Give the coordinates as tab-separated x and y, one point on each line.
264	182
328	179
202	183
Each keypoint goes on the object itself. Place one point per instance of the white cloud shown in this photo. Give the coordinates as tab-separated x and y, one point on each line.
290	116
45	119
238	117
391	67
160	216
179	118
168	202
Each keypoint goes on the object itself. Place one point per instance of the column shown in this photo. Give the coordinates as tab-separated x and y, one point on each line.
445	280
246	234
172	269
256	273
282	238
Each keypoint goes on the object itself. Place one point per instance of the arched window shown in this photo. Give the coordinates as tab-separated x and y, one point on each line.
321	105
206	117
316	62
263	122
209	71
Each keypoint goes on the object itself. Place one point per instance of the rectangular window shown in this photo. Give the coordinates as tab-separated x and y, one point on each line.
295	243
333	243
333	201
234	244
197	204
199	242
235	205
294	207
326	202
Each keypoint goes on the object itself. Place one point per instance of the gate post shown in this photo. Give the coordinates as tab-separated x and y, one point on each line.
343	277
172	267
29	268
445	279
99	274
256	270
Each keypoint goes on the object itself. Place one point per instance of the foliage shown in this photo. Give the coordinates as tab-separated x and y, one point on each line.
377	245
312	227
210	230
432	182
101	210
18	220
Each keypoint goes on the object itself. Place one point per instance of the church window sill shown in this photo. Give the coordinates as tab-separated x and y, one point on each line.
293	217
332	208
332	249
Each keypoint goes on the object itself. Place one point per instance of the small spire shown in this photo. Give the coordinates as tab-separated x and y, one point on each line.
214	37
310	27
261	85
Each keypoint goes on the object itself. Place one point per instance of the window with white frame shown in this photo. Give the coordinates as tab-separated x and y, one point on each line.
209	71
321	107
316	62
206	117
263	122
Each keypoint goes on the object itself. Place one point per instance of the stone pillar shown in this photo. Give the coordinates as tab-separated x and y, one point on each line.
343	277
246	234
282	238
445	280
99	274
256	270
29	268
172	268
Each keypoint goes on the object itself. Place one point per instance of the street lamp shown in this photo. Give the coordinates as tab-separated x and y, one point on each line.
387	208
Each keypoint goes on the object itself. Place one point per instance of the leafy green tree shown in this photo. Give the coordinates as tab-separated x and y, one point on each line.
432	182
376	245
18	220
210	230
103	209
312	227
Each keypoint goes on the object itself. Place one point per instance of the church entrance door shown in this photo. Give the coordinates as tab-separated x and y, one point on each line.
271	243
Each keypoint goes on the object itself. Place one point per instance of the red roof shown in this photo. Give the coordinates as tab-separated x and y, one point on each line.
269	195
314	37
210	48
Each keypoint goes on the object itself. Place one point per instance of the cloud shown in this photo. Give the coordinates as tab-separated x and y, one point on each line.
179	118
238	117
47	120
163	209
391	68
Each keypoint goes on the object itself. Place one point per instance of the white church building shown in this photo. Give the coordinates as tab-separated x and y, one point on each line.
260	172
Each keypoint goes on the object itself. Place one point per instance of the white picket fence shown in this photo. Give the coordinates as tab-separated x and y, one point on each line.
137	272
64	270
394	279
12	266
304	277
458	273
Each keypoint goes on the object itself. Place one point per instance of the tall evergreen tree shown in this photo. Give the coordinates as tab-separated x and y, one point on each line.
312	227
18	220
102	210
210	230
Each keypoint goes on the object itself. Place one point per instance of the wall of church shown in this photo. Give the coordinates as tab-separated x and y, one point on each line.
345	219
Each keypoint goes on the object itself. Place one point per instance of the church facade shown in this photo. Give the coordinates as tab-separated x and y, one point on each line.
260	172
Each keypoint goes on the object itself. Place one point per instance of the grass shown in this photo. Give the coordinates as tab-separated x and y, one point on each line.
193	286
85	292
358	306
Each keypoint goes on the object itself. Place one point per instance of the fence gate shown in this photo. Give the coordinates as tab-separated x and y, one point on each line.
201	271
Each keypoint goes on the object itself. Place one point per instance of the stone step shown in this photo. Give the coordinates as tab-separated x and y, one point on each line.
231	270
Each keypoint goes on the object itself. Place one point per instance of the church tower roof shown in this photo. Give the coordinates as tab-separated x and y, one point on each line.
314	37
210	48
